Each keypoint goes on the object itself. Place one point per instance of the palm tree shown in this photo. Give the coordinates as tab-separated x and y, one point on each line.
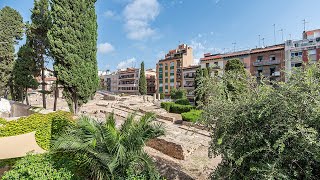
111	152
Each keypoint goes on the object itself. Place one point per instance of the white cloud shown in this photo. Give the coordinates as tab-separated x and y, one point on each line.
109	14
127	63
138	15
105	48
202	47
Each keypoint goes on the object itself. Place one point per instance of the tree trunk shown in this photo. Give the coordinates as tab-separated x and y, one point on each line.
75	103
44	103
56	94
22	98
27	99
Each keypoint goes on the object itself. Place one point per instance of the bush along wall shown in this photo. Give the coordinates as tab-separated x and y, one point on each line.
45	125
176	108
183	101
192	116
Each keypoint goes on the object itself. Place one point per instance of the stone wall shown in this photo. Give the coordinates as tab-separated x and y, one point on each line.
169	148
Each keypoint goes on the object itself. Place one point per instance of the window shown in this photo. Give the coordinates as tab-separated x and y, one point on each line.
259	58
160	89
207	65
160	65
166	81
272	57
272	71
171	80
171	65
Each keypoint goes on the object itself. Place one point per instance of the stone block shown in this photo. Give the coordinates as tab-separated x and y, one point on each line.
169	148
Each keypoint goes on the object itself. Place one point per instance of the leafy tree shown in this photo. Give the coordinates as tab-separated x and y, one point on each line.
73	42
266	132
109	152
23	71
11	30
178	94
201	76
142	81
37	167
235	65
38	39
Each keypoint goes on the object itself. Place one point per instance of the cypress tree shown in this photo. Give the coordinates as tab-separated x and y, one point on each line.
73	42
142	81
11	30
23	71
38	39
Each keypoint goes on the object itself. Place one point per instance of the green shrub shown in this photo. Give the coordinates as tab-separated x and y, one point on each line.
3	121
37	167
192	116
177	108
183	102
178	94
162	95
41	123
167	105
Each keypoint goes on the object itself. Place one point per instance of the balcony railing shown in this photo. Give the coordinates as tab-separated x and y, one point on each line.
266	63
275	74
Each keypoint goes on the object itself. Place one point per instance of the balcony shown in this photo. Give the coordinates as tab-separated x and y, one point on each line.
127	77
266	63
275	74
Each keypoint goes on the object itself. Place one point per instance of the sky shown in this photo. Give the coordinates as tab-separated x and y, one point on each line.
132	31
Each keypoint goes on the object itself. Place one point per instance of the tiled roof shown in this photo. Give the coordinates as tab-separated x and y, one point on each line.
208	58
234	54
242	53
270	48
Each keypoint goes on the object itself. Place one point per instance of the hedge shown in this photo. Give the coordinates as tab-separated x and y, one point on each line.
3	121
192	116
37	167
176	108
45	125
167	105
182	102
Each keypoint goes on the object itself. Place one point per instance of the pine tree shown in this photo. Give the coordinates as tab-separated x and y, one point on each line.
23	71
142	81
73	42
38	39
11	30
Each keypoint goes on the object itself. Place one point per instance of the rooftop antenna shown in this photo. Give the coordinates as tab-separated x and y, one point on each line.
289	36
281	30
274	33
304	24
263	42
234	46
259	40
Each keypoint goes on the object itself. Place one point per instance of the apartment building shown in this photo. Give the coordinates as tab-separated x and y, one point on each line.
49	80
269	62
169	69
151	75
111	81
266	61
128	81
189	74
306	50
243	56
